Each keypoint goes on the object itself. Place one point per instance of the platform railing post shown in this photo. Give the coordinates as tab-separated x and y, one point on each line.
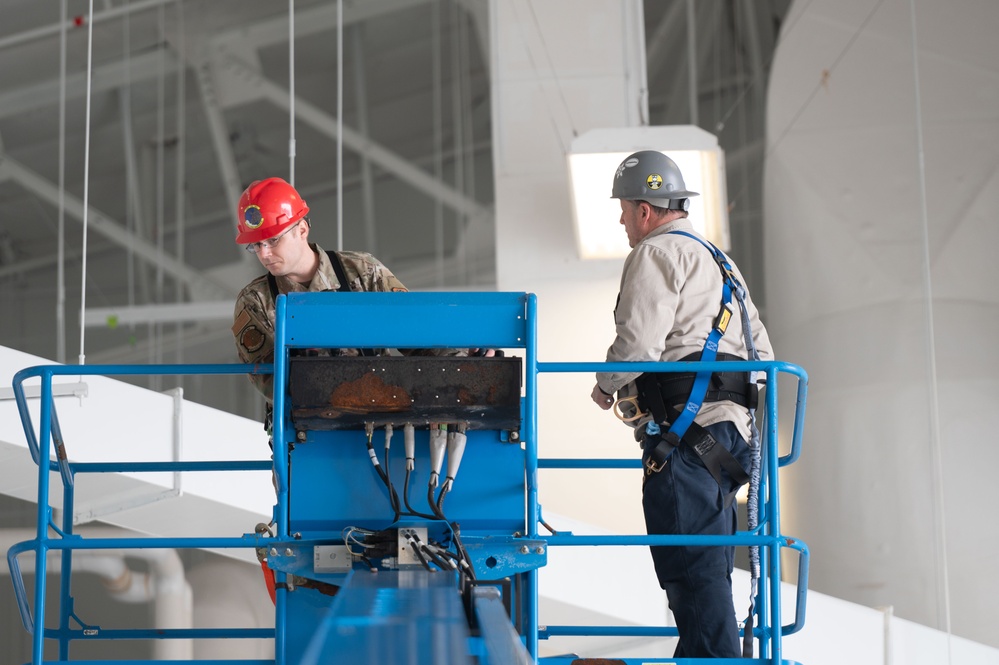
280	472
774	491
41	551
531	462
65	574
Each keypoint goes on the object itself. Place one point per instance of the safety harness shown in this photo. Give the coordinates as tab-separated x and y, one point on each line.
659	391
341	275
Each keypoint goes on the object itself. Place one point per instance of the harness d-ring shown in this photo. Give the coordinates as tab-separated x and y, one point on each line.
633	400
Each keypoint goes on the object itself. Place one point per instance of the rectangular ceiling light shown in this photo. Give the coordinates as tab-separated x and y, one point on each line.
595	156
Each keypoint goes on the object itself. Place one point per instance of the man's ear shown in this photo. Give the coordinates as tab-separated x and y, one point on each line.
646	209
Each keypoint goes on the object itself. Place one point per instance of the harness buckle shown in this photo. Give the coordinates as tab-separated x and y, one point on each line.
656	458
723	318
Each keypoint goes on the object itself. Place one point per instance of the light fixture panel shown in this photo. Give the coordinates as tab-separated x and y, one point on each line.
595	156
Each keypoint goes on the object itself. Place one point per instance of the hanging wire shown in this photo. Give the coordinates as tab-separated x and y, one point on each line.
61	242
339	125
180	175
943	577
551	68
132	199
692	63
86	180
438	134
469	133
458	132
156	329
818	86
291	92
361	109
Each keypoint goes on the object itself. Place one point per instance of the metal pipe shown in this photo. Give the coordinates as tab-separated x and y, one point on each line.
164	584
77	21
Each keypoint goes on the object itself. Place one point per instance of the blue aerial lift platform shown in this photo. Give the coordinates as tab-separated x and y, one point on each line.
383	549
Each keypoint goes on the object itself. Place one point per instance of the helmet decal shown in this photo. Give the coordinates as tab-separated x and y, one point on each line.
626	164
654	181
252	216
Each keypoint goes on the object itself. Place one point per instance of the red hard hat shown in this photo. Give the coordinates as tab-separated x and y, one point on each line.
267	208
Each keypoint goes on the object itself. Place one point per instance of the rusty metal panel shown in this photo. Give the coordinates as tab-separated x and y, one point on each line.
345	392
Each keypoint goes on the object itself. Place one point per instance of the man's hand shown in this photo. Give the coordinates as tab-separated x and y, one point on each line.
601	399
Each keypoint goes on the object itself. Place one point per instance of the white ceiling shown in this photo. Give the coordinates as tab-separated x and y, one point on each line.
417	158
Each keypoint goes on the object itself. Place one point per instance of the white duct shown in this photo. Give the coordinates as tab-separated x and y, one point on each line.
164	584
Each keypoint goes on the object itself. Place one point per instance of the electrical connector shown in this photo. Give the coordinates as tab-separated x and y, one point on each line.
409	440
438	444
455	449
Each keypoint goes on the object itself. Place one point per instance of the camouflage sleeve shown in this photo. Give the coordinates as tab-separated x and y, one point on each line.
366	273
253	330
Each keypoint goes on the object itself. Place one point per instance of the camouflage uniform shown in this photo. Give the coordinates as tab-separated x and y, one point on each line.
253	325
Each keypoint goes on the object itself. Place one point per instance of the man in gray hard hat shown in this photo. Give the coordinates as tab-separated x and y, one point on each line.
668	310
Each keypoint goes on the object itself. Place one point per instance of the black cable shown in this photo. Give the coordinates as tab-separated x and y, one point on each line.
455	535
436	558
433	504
414	541
419	555
440	499
405	498
393	497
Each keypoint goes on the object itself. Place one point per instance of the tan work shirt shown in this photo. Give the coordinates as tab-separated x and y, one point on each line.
670	295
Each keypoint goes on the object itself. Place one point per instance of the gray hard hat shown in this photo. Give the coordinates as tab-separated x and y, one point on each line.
650	176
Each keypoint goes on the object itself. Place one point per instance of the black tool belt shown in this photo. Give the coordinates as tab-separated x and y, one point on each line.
659	391
675	387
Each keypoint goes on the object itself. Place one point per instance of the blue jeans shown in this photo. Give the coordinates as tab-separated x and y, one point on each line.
683	498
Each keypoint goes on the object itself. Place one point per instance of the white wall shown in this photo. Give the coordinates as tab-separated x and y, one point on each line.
554	78
878	284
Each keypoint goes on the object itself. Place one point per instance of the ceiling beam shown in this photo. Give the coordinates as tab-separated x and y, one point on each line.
321	18
378	154
78	22
105	77
196	282
214	310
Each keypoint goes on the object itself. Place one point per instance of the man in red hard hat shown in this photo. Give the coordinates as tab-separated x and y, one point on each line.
273	224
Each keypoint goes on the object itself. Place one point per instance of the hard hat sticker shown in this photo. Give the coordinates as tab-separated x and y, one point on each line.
626	164
654	181
252	216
